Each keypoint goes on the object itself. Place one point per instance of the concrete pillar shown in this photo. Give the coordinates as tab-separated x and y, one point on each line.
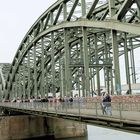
63	128
28	126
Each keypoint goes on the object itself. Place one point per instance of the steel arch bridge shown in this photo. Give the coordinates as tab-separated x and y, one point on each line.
75	45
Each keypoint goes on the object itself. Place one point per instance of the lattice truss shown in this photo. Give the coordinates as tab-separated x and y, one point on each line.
75	45
4	69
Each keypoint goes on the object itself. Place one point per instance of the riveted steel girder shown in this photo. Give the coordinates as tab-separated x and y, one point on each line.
75	46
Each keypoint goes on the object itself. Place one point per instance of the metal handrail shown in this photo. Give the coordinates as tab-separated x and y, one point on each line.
121	110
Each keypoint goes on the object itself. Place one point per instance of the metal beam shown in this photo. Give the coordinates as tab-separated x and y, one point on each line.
53	64
67	61
58	14
16	86
124	8
61	70
138	4
83	6
110	24
127	63
116	62
46	22
106	69
92	8
72	10
12	95
35	94
42	69
29	75
97	62
124	27
90	65
64	11
132	62
24	73
112	9
86	62
115	25
104	15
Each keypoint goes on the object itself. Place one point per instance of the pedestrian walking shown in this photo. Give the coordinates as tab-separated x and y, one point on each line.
106	104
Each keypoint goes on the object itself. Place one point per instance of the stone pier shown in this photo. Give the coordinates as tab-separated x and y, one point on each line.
28	126
65	128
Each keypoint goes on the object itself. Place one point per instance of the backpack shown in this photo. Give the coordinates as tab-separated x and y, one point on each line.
71	100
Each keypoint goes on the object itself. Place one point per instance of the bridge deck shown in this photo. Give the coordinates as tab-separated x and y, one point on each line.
121	118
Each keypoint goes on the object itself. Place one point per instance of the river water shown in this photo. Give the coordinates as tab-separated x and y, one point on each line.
98	133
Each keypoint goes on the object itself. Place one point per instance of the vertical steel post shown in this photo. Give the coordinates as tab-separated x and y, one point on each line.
116	62
107	60
35	72
64	11
61	76
62	80
112	8
67	61
127	63
138	9
24	72
111	71
112	11
94	81
12	92
97	62
82	70
79	90
29	75
132	62
91	82
16	86
46	83
52	57
53	64
18	82
112	86
42	68
86	61
83	7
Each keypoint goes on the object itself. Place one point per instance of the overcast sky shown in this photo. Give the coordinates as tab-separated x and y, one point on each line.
16	18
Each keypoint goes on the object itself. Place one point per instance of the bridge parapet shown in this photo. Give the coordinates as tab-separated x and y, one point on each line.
122	115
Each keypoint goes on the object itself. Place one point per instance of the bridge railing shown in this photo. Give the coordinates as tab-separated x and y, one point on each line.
122	111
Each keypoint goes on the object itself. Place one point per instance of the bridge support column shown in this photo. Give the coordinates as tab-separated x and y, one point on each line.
127	63
86	62
116	62
63	128
27	126
67	62
132	62
35	72
97	62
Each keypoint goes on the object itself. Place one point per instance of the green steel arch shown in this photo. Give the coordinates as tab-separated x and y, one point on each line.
75	45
